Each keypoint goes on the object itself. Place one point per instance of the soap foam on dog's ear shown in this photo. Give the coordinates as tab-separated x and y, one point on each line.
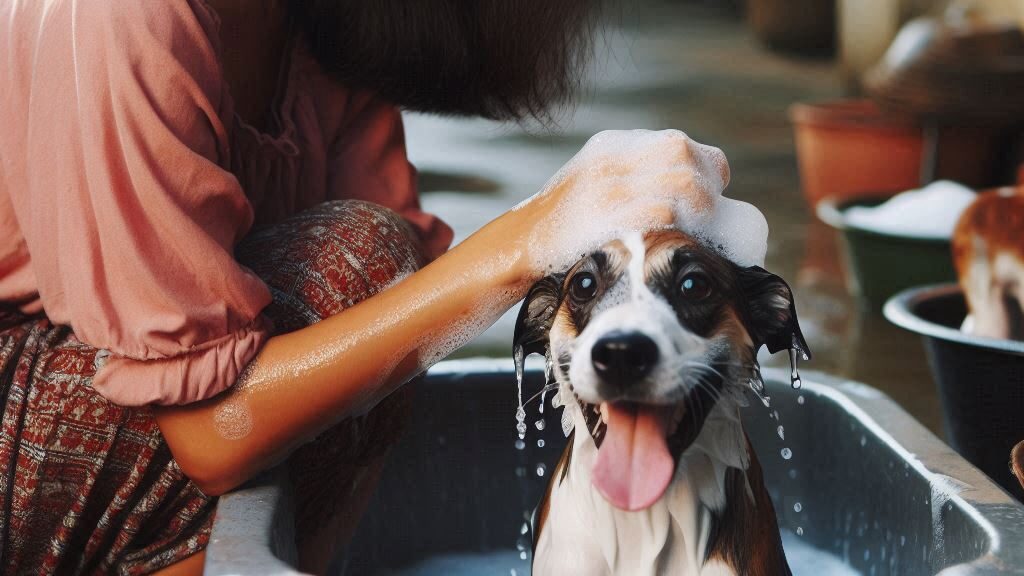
650	171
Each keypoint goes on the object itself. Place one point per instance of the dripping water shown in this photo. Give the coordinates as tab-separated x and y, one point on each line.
757	385
520	360
523	539
794	370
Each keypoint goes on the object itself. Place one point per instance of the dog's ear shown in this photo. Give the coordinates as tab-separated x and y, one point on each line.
536	316
771	311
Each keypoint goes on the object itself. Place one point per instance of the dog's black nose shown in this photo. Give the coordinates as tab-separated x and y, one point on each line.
621	358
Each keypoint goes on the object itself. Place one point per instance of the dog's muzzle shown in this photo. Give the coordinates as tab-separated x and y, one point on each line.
621	359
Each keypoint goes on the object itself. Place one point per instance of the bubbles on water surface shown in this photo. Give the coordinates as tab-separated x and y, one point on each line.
786	453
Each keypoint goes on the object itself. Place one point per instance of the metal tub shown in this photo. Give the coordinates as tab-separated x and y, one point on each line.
874	486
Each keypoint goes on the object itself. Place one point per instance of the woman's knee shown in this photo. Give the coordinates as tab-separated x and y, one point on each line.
330	257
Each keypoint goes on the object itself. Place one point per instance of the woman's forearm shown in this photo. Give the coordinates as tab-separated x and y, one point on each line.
303	382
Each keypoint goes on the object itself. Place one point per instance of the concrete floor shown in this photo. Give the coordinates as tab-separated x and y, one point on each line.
692	66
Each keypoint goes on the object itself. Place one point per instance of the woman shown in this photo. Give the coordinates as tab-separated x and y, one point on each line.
201	203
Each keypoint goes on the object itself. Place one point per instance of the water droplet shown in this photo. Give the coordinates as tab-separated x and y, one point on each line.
792	474
782	432
520	444
540	443
800	399
540	424
541	469
519	356
798	507
799	531
522	555
794	374
567	423
756	384
863	440
522	543
514	573
521	471
786	453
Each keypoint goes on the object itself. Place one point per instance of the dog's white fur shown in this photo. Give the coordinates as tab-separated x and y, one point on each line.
586	535
989	280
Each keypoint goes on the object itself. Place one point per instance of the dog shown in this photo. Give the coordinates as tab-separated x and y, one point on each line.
988	252
652	341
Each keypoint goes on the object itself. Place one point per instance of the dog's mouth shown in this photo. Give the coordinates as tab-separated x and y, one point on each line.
634	464
639	446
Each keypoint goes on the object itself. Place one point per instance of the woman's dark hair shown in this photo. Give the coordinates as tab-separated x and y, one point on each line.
500	59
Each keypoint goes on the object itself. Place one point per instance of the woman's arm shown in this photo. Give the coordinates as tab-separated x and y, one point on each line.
303	382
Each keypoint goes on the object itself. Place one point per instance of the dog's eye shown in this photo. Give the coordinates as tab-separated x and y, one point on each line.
695	286
584	286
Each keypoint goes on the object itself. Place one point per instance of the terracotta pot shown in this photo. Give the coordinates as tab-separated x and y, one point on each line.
847	147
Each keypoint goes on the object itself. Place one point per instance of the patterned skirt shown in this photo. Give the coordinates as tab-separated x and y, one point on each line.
89	487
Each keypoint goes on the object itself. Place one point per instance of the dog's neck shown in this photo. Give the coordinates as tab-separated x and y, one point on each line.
670	537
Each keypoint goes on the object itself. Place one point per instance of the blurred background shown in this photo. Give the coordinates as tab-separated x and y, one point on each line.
790	90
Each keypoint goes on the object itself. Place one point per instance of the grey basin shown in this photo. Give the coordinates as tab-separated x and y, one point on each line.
875	487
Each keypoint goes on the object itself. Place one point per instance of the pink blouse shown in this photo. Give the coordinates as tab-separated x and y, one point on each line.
126	180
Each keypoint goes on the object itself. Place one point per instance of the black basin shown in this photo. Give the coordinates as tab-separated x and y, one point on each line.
980	380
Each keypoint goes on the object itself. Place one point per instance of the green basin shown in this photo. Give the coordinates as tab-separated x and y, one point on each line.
880	265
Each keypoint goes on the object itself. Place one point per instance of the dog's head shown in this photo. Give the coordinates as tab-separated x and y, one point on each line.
648	335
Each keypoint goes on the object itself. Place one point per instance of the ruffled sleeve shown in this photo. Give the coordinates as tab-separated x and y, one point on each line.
133	225
367	161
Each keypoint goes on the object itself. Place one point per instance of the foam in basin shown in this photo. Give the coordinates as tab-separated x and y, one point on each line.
930	212
642	180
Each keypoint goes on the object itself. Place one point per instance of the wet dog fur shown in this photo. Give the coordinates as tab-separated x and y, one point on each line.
707	317
988	251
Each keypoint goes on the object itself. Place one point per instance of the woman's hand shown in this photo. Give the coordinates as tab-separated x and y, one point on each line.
620	182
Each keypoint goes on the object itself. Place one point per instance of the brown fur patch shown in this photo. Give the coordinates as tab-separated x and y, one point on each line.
745	535
996	217
1017	462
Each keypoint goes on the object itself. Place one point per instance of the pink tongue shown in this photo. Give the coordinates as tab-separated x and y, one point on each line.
634	466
